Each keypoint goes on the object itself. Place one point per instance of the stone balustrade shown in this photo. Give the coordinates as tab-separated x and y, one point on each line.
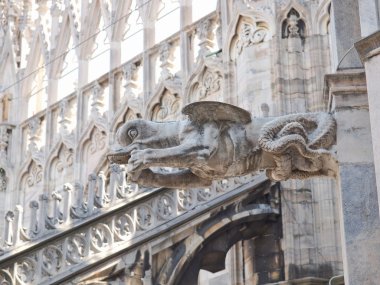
107	215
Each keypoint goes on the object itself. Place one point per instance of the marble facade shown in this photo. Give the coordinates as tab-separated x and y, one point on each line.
72	72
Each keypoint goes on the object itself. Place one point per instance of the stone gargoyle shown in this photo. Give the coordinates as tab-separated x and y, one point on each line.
219	140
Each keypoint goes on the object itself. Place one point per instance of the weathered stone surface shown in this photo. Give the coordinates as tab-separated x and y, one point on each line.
345	28
360	220
220	140
369	51
361	223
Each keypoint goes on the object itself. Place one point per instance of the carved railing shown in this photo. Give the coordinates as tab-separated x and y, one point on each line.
108	217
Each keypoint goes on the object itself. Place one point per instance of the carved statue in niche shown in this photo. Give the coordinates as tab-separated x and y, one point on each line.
293	26
219	140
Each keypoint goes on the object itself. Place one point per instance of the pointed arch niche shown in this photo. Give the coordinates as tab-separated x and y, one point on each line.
167	109
293	26
61	169
205	84
94	146
249	44
30	186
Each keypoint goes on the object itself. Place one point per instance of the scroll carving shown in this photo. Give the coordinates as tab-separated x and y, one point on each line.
248	33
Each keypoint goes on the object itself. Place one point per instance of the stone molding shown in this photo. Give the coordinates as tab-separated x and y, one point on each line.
368	47
345	83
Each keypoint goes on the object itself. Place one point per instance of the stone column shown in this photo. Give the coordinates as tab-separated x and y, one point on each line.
359	218
369	51
345	31
268	265
187	57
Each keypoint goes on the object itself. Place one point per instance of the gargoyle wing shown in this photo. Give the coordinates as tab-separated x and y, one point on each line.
211	111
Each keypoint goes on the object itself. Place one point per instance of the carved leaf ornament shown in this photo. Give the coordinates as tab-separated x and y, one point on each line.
98	141
35	175
249	34
65	160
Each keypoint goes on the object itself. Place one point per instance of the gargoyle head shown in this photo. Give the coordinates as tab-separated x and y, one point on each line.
133	135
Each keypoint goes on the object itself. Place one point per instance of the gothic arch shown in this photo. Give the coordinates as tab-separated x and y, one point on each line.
26	169
59	165
259	26
211	241
165	104
205	83
304	14
92	147
322	17
29	182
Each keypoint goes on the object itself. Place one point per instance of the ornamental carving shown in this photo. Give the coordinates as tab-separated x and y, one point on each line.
65	159
52	260
167	109
3	181
34	131
65	117
204	194
165	206
186	199
76	248
4	140
130	72
293	26
124	227
6	278
98	141
205	33
145	216
97	103
210	84
250	34
101	237
166	58
218	141
26	270
35	175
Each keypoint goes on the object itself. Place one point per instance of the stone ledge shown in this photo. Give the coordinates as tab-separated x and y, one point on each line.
369	46
352	83
303	281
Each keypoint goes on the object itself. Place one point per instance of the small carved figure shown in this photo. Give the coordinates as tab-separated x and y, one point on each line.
219	140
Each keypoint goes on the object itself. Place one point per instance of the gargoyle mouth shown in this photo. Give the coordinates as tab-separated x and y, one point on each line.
120	156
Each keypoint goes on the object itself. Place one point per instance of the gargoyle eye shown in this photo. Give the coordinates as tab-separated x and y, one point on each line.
132	133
